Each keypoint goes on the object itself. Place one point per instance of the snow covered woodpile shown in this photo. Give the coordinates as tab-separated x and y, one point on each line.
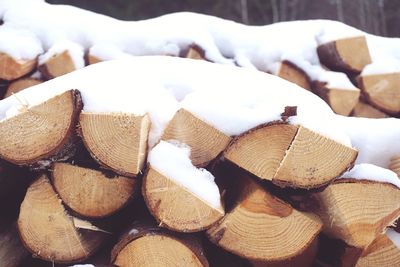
159	160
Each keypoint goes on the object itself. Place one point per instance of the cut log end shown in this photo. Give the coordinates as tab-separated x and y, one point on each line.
290	155
175	207
195	52
263	228
11	69
48	231
364	110
89	192
20	85
44	130
395	165
382	91
358	211
349	55
59	64
150	246
205	141
292	73
117	141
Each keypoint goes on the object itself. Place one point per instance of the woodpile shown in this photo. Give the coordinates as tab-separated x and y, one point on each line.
282	202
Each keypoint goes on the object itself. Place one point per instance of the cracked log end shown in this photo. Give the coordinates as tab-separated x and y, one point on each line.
205	141
11	69
89	192
358	211
48	231
117	141
290	72
176	207
20	85
44	130
290	155
59	64
264	228
347	55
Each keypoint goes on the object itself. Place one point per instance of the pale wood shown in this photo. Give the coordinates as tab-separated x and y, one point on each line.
358	211
20	85
93	60
48	231
175	207
205	142
152	247
262	227
89	192
58	65
395	165
341	100
43	130
382	252
195	52
292	73
290	155
347	55
11	69
118	141
382	91
365	110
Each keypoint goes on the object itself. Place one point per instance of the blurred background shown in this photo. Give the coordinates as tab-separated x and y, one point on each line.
380	17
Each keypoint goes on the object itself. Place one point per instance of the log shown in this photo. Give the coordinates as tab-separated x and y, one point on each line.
12	252
382	91
365	110
341	100
357	211
151	246
91	193
395	165
92	59
290	156
20	85
44	131
59	64
292	73
195	52
381	252
11	69
349	55
117	141
205	141
49	232
175	207
262	227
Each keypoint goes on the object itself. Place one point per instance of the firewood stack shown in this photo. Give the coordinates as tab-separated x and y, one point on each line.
97	196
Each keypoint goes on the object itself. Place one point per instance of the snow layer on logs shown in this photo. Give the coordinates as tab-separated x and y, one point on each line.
179	169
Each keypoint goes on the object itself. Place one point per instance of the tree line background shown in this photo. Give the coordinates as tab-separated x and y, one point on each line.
380	17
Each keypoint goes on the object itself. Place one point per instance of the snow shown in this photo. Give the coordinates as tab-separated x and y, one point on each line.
377	140
382	66
231	99
75	51
394	237
336	80
19	44
371	172
180	169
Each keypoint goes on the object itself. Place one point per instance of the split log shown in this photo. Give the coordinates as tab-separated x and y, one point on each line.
117	141
195	52
176	207
365	110
382	252
341	100
264	228
290	155
11	69
12	252
395	165
382	91
358	211
44	131
292	73
91	193
92	59
346	55
59	64
49	232
152	246
205	141
20	85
